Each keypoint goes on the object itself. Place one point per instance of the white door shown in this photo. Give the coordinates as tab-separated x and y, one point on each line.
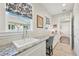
65	28
76	28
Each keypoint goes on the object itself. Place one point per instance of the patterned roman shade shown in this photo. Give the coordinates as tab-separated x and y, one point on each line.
22	9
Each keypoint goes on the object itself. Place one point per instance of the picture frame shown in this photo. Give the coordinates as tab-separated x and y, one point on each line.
47	21
39	21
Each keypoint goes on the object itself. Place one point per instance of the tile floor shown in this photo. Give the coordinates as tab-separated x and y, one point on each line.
62	49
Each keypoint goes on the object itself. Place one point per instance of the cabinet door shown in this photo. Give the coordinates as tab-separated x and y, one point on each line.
39	50
35	52
43	48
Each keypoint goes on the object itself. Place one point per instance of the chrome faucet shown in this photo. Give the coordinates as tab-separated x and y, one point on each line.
24	34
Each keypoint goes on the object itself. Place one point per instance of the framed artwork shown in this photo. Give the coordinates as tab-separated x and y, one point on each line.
39	21
55	26
47	21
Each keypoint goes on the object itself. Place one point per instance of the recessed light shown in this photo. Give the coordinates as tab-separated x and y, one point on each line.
64	10
63	4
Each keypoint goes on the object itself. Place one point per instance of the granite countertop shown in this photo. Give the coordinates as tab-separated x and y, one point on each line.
7	50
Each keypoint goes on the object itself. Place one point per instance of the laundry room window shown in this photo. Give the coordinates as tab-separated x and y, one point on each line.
19	16
11	27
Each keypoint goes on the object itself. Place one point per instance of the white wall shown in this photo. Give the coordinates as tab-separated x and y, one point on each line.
2	17
76	28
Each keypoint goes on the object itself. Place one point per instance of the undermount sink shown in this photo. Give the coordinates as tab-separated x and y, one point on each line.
24	42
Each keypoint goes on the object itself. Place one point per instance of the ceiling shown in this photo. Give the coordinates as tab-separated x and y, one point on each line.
56	8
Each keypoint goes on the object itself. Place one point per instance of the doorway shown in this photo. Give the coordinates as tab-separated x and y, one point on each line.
65	30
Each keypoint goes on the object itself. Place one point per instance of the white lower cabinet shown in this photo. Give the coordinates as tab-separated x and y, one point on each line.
43	49
37	50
